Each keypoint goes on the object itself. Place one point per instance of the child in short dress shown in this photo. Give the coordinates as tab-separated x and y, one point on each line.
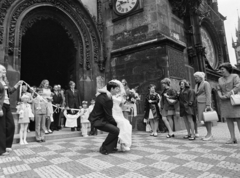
84	119
25	113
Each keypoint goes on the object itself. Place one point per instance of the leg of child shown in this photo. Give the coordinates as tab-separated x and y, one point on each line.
42	127
21	134
25	134
84	129
38	127
48	123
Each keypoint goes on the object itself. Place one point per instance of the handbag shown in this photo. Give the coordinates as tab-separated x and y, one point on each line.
235	99
148	128
209	116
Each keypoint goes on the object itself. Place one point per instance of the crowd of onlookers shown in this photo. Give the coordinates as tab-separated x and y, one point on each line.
44	109
194	103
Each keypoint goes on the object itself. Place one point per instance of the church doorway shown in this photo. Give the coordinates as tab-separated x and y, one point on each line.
48	53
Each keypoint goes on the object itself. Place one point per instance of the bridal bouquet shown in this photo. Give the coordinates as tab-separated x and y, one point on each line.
132	96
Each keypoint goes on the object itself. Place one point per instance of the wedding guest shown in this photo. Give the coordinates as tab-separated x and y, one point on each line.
186	102
203	98
62	117
151	110
57	101
91	105
47	95
229	84
40	110
7	123
25	113
167	108
84	119
71	118
73	100
33	95
126	106
30	99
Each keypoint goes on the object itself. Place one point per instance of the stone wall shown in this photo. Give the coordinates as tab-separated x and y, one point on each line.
144	48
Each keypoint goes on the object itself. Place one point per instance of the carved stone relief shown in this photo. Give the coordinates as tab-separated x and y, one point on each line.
91	38
184	7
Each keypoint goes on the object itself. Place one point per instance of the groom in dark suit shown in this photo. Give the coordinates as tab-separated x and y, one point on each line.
101	118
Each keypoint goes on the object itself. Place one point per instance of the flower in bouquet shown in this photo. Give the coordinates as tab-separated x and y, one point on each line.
132	96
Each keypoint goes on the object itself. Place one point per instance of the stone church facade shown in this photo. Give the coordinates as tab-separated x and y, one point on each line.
142	41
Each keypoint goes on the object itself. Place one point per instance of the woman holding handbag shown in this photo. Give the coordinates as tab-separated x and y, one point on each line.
229	84
167	105
203	98
152	109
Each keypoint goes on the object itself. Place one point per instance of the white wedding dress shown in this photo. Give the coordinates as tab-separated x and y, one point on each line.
125	134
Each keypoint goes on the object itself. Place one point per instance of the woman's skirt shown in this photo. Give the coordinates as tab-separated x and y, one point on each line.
153	112
166	113
228	110
200	109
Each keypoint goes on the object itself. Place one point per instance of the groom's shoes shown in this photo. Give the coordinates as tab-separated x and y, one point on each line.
114	150
104	152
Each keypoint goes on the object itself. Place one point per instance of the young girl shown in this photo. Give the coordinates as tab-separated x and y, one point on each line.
84	119
25	112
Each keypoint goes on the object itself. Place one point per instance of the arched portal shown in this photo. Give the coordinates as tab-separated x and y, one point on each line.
21	20
47	52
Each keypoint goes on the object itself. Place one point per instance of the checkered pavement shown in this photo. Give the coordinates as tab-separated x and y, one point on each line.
150	157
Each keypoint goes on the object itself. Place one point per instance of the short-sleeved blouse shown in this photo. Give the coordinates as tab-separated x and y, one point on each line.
226	86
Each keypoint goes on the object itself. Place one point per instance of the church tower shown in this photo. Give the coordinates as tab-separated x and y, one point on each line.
236	45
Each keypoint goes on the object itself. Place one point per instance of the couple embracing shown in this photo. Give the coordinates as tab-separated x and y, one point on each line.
107	116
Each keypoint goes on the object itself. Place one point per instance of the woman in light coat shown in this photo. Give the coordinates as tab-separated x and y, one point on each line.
203	97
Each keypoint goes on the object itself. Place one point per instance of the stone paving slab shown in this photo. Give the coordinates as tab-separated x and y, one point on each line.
150	157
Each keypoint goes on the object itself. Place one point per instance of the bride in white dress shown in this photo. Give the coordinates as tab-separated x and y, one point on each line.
125	134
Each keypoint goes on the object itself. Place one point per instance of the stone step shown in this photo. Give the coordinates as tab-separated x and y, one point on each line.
61	134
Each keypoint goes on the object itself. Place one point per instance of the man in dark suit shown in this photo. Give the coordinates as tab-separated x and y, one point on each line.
73	100
101	118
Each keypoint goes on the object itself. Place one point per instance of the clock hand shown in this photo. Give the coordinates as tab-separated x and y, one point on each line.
120	3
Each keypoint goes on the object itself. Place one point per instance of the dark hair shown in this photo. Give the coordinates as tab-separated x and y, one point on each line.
227	66
151	85
186	83
71	82
111	85
166	81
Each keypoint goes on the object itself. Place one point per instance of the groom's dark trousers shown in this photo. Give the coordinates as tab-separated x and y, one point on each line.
101	118
111	141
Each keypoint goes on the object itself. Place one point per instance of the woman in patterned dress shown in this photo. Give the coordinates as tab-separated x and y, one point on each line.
152	112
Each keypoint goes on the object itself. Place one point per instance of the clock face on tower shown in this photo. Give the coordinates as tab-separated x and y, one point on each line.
122	7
